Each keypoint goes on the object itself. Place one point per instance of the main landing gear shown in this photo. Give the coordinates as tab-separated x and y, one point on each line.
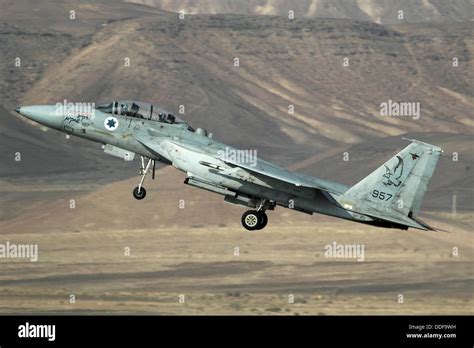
139	192
256	219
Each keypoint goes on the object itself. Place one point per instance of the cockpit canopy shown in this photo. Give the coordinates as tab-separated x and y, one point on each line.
138	109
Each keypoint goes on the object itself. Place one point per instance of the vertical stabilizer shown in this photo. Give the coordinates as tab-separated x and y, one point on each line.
401	182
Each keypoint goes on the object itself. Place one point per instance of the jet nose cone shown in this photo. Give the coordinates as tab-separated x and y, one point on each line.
44	114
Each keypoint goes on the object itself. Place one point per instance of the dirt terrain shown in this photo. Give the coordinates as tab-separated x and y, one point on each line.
200	263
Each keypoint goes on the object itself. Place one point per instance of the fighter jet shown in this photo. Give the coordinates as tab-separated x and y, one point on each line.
389	197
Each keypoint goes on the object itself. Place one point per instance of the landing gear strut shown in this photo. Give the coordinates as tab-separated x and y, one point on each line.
139	192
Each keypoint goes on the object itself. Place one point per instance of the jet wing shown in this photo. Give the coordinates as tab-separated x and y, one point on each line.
267	169
260	168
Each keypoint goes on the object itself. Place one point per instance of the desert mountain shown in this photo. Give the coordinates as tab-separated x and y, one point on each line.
282	65
378	11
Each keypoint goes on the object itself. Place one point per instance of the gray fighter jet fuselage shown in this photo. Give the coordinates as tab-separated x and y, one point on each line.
390	196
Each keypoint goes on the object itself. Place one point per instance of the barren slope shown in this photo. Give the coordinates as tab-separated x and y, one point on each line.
379	11
282	63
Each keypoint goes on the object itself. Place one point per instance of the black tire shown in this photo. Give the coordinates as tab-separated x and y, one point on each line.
263	220
251	220
139	194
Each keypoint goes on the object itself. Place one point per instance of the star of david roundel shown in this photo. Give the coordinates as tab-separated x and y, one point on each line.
111	123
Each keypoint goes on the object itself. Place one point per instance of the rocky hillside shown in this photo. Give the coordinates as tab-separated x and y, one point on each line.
378	11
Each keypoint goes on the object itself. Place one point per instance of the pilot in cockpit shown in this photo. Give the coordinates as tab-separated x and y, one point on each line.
123	108
134	111
171	118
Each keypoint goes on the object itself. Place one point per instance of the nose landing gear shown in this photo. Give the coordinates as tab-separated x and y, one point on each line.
139	192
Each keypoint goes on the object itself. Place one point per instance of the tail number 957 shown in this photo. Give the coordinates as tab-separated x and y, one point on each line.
383	196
